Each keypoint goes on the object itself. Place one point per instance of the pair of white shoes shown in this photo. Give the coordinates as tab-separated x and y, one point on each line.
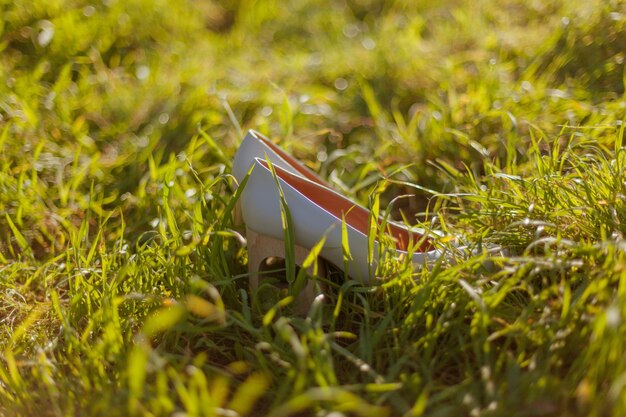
316	212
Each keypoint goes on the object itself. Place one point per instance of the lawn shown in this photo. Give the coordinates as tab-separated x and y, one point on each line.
123	276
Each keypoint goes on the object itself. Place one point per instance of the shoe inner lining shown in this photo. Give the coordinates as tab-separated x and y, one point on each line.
341	207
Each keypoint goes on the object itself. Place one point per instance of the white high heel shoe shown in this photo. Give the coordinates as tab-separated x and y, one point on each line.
316	212
264	247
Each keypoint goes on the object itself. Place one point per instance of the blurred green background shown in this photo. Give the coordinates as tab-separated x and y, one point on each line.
354	87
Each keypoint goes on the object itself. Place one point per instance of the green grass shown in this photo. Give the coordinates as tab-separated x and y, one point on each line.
123	279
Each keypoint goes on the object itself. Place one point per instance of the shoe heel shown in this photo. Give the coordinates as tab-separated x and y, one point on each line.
262	247
238	220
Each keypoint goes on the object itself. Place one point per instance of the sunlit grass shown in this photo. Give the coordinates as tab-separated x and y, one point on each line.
123	276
